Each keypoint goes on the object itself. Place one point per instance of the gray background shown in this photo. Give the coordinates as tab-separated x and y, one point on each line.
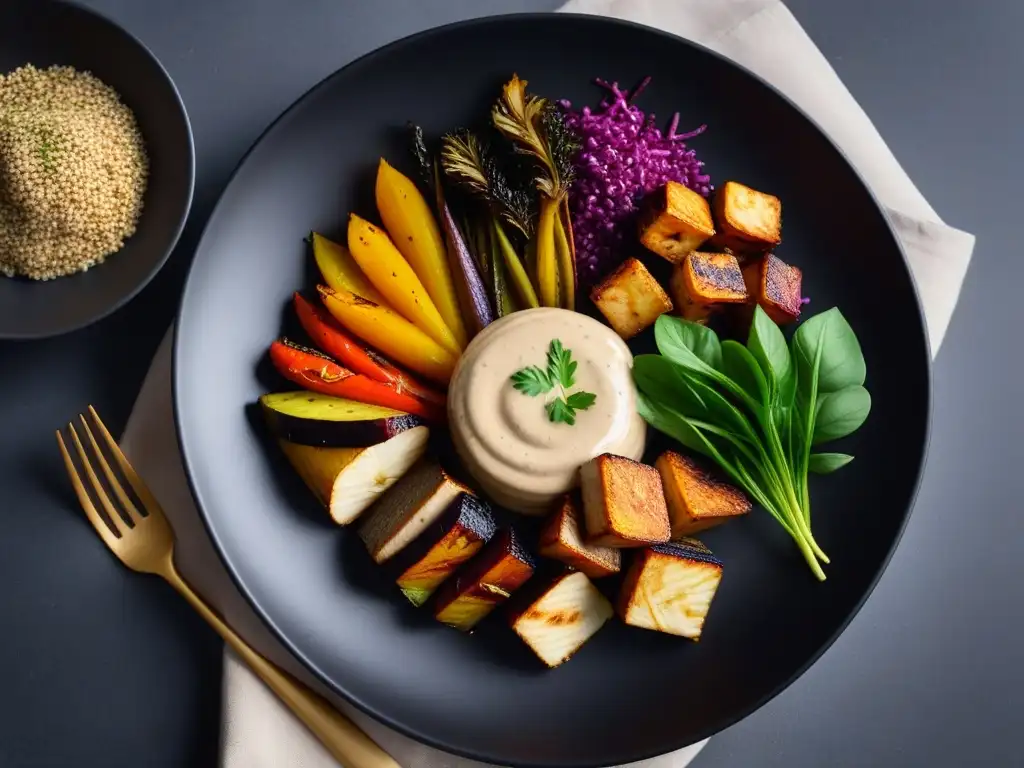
100	668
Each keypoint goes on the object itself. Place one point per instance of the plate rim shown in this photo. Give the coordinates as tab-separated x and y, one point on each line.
281	637
66	328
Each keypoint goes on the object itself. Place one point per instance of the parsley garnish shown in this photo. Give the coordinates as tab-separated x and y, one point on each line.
561	375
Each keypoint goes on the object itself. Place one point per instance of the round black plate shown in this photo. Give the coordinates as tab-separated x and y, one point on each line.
629	693
48	33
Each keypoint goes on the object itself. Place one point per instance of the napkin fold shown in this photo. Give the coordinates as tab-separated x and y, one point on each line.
259	731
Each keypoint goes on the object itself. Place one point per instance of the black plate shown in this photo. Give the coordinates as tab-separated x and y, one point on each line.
47	33
629	694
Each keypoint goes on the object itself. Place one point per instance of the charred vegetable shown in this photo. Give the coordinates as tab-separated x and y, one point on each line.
704	283
464	527
537	128
747	220
630	298
308	418
669	588
623	503
486	581
341	272
348	480
675	221
567	612
696	498
318	372
389	332
410	222
562	539
329	336
408	509
775	286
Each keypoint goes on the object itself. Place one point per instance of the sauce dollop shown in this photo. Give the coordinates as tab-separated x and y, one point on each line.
522	459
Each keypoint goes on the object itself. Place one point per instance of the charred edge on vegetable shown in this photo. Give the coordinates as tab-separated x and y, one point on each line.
308	350
782	284
690	549
421	154
723	276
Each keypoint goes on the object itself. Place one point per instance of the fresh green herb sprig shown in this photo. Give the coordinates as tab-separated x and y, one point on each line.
559	374
759	410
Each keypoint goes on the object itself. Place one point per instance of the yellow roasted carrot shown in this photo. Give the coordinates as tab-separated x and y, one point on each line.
391	274
390	333
340	270
547	257
410	222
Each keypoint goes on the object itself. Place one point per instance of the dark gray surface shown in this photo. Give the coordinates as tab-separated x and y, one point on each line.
105	669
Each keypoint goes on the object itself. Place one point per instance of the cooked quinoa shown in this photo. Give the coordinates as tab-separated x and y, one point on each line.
73	172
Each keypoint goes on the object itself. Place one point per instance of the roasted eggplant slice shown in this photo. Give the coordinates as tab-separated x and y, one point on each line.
776	286
348	480
675	220
485	582
458	534
703	283
310	418
697	499
561	539
567	612
623	503
630	298
408	509
746	220
669	588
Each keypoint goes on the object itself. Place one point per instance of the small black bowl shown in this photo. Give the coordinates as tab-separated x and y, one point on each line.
57	32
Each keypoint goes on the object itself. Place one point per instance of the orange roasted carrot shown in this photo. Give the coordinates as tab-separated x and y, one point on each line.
328	335
319	373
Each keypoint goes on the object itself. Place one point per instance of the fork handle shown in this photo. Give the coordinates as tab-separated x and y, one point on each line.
346	742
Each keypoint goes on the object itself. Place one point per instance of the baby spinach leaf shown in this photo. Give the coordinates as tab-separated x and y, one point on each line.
825	463
841	413
681	341
742	367
768	346
842	362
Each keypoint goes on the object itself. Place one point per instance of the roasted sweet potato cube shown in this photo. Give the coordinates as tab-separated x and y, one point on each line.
458	534
675	221
776	286
486	581
630	298
669	588
696	498
561	617
561	539
703	283
746	219
623	503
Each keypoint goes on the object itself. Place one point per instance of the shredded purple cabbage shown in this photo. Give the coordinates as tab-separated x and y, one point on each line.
624	157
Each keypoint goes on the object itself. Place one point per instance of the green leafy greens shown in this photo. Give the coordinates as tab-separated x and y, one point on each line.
559	376
758	410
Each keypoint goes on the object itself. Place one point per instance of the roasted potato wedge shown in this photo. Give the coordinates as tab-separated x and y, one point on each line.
696	499
669	588
630	298
623	503
675	221
745	219
776	286
562	539
704	283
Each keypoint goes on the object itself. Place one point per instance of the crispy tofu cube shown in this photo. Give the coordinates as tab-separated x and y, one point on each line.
623	503
407	509
485	582
561	539
745	219
630	298
704	283
461	531
567	612
776	286
696	499
675	221
669	588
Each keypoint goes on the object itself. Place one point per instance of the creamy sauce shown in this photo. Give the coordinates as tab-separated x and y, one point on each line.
519	457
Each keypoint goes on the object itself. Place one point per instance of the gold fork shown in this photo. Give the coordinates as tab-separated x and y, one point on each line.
145	543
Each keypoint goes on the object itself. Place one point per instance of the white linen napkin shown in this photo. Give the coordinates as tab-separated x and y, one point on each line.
258	731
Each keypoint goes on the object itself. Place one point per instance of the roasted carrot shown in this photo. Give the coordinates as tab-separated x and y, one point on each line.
317	372
329	336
